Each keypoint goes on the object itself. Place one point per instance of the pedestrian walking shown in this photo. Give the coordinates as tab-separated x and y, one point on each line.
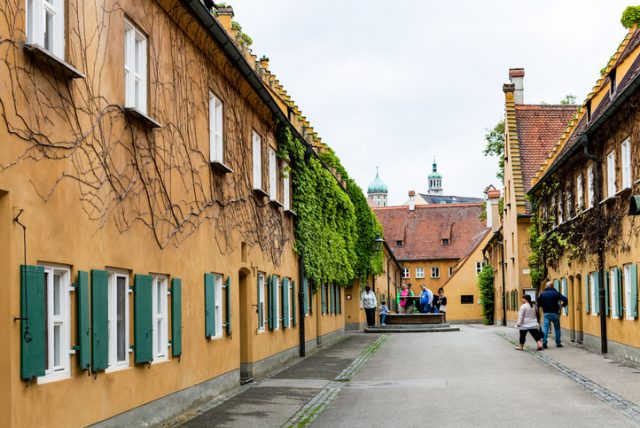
442	304
369	303
528	323
384	311
551	301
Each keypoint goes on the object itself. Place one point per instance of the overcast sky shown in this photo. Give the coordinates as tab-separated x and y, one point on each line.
394	84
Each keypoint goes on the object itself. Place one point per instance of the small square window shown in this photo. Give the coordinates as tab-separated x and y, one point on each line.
445	241
435	272
466	299
419	273
399	243
405	273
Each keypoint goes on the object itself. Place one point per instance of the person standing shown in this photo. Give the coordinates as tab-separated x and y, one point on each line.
411	302
369	302
551	301
528	323
426	297
402	300
442	304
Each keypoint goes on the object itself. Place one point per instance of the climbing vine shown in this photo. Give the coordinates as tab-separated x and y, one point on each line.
487	293
630	16
334	229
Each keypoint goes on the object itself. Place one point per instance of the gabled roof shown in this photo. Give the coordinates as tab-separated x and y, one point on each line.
539	127
598	101
423	229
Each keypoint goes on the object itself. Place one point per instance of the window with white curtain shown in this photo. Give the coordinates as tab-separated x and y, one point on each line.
257	161
590	186
216	129
273	174
45	25
611	174
135	67
160	318
580	192
625	151
286	186
118	316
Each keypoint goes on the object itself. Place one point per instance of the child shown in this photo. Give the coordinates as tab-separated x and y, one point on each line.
383	312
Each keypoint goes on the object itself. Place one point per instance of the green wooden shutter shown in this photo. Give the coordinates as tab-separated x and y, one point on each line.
227	303
285	302
619	299
587	293
323	299
209	305
633	273
99	320
565	293
606	294
83	350
339	299
271	305
33	325
596	284
294	306
143	318
305	292
176	317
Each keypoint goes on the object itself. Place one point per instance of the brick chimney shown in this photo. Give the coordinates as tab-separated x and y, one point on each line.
516	77
225	15
412	200
492	205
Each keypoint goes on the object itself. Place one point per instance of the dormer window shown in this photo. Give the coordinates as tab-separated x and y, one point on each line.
445	241
399	243
612	82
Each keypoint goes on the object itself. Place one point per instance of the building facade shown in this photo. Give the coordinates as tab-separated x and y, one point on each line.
145	217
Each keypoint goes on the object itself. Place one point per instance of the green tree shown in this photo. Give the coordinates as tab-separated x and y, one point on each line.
487	293
569	99
495	146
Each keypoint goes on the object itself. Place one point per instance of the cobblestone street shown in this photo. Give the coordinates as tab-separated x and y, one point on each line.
469	378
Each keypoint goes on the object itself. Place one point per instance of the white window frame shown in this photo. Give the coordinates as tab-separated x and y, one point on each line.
625	152
613	287
277	303
216	129
419	273
62	320
114	363
580	191
406	274
160	313
479	266
450	271
261	301
611	174
273	174
628	309
590	186
257	160
435	272
593	290
217	288
286	186
287	293
37	12
135	67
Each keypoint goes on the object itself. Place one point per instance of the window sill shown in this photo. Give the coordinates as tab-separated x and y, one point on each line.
623	191
118	368
290	212
260	193
147	120
160	360
609	199
54	377
276	203
221	167
60	66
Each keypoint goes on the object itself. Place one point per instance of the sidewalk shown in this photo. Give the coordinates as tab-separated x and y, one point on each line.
291	396
620	377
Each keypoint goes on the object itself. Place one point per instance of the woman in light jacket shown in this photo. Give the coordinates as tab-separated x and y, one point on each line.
369	302
528	322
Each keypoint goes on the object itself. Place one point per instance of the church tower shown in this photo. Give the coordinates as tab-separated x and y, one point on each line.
378	191
435	181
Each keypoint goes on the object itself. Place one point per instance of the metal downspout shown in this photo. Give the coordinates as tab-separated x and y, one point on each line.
601	257
301	298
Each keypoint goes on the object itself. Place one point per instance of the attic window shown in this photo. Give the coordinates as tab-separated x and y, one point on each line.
399	243
445	241
612	82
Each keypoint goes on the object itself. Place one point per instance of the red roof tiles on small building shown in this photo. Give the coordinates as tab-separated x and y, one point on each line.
423	229
539	128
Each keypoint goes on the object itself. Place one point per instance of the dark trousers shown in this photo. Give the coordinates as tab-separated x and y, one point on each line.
535	333
371	316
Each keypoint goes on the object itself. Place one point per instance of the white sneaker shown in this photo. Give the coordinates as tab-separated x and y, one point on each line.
382	324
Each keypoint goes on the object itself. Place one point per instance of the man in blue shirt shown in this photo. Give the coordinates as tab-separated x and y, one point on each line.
551	301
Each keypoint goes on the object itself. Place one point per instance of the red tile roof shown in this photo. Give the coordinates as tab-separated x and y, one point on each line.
423	229
539	128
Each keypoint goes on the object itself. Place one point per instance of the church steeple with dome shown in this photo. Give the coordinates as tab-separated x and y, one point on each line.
435	181
377	191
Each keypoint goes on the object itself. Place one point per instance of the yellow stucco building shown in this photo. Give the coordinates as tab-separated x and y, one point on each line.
146	225
585	205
